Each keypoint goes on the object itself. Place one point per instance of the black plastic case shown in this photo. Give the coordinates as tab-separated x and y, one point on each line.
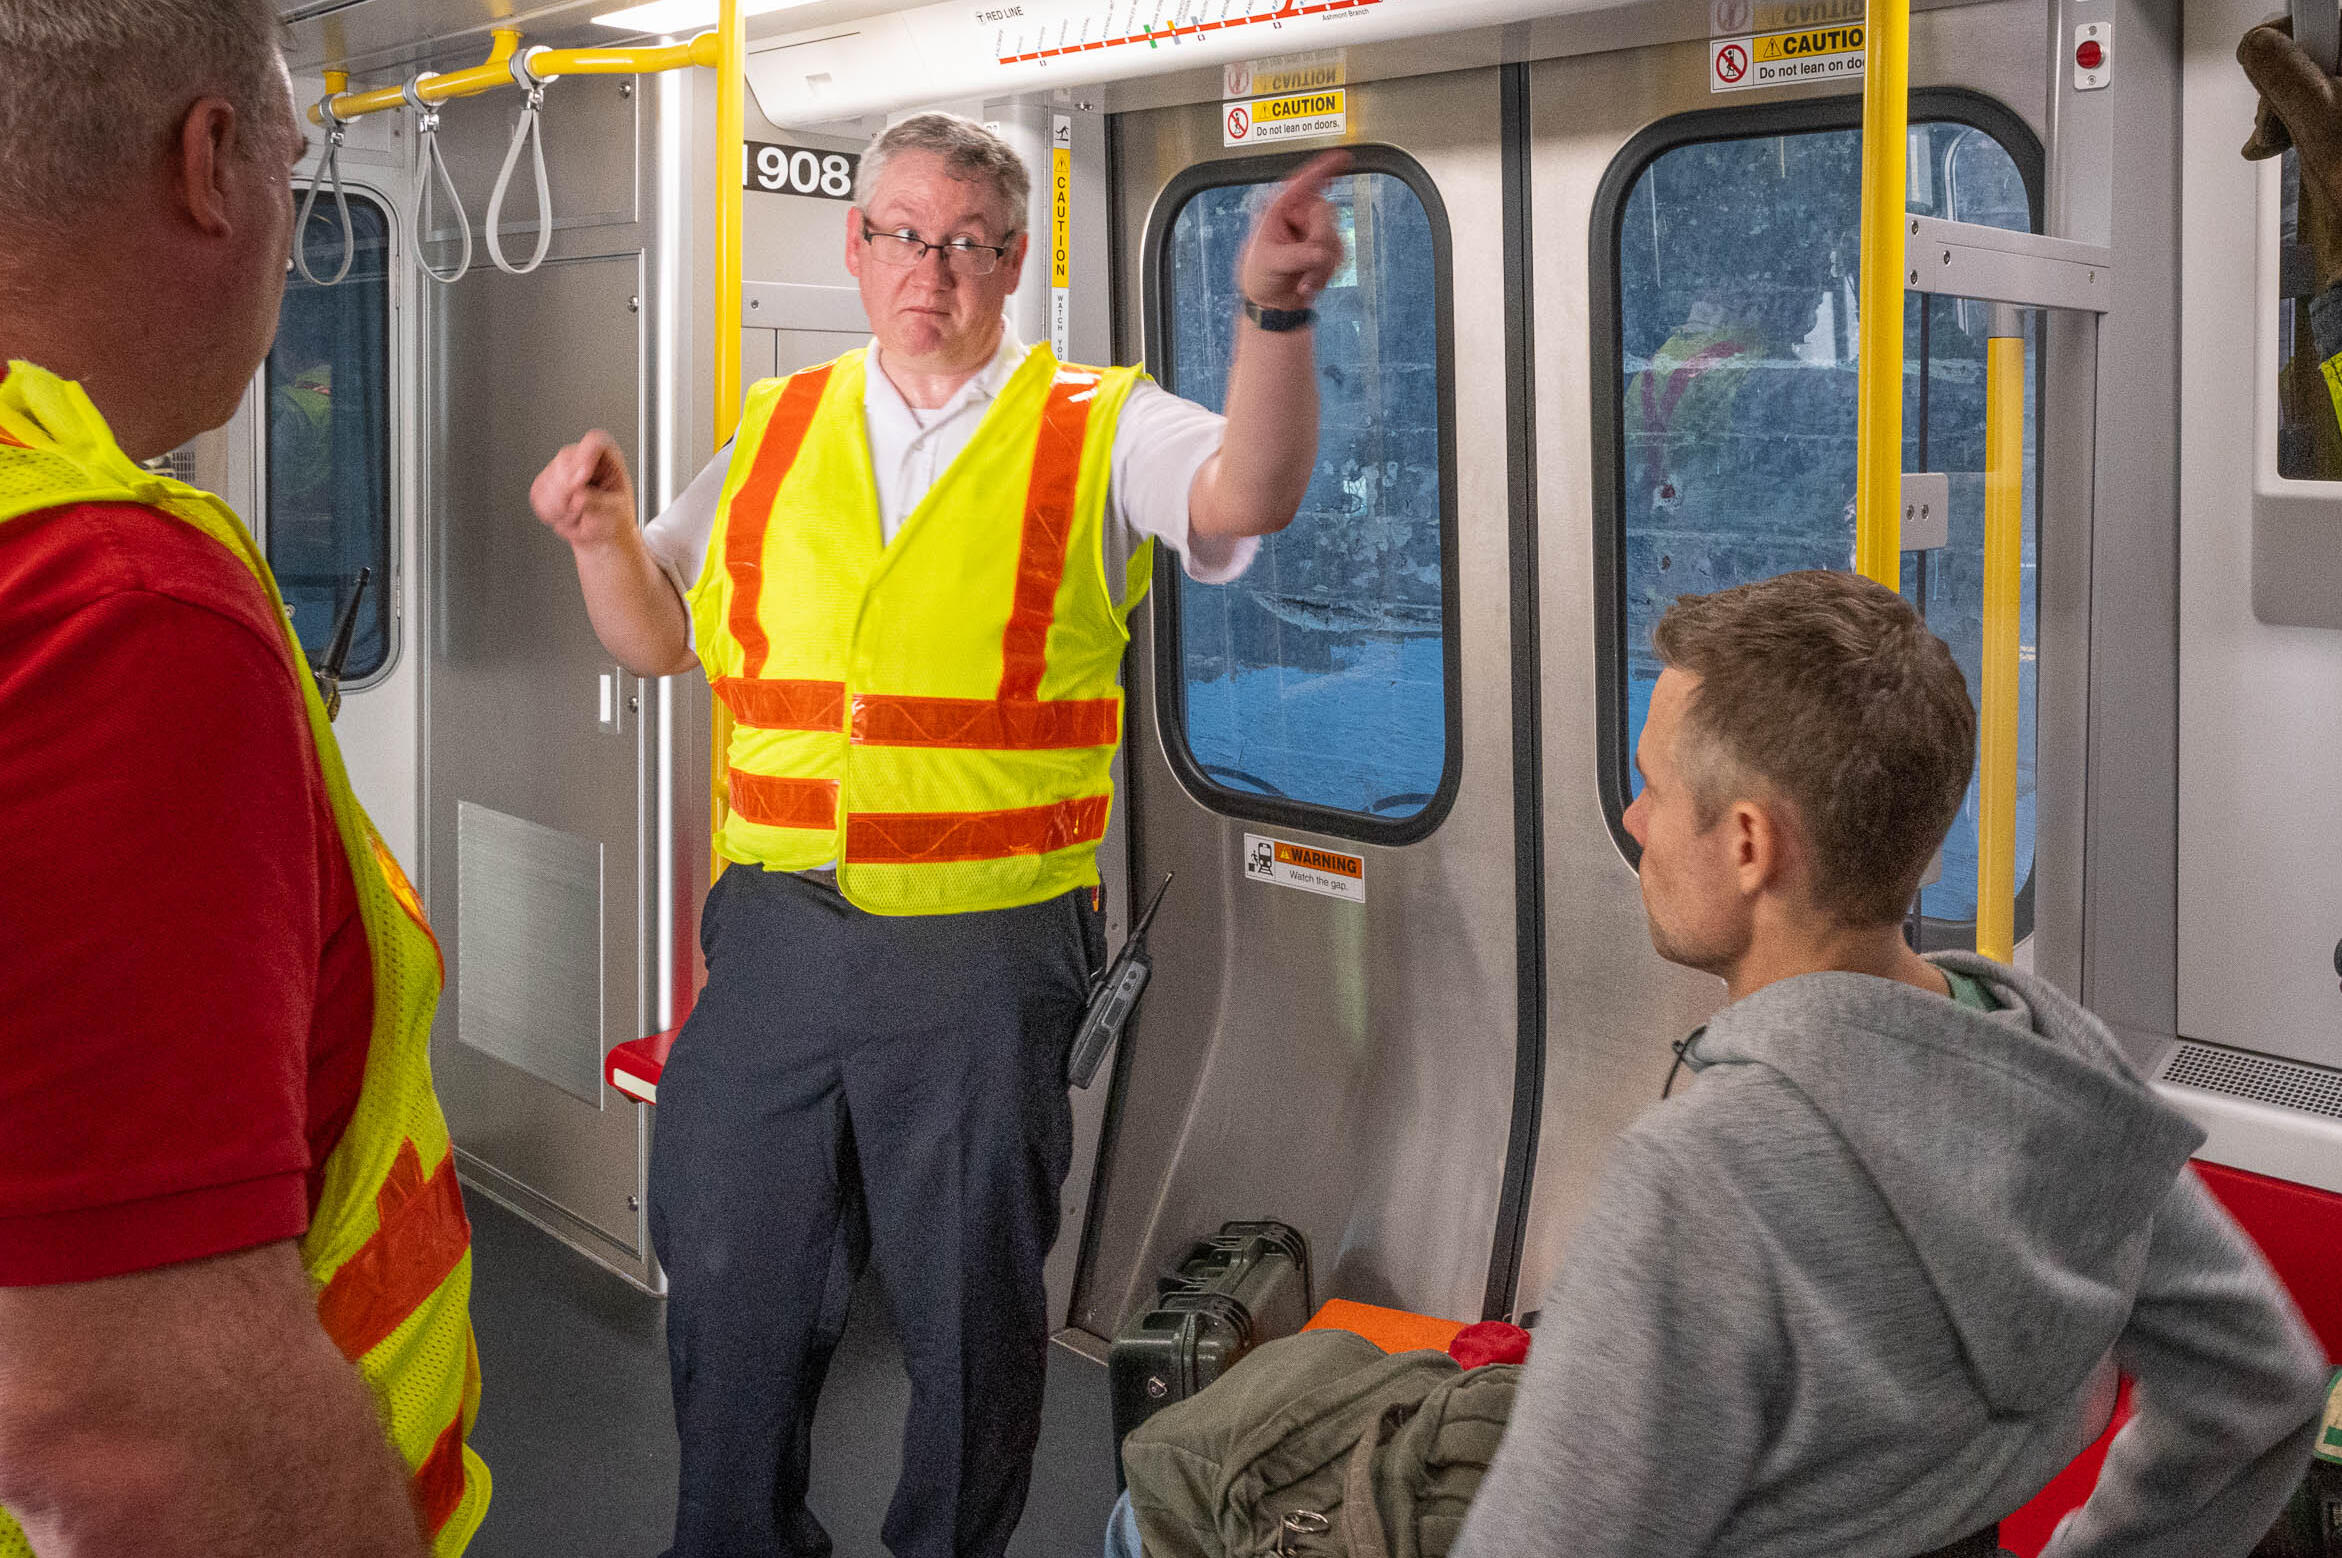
1246	1285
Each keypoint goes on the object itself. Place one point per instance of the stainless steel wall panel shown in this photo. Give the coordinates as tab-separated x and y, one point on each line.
1346	1067
521	365
591	126
795	349
2130	954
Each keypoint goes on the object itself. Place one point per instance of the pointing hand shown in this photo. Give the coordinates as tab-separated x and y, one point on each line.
1295	247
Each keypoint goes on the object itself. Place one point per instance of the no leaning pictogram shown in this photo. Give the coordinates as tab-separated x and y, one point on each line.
1731	63
1239	122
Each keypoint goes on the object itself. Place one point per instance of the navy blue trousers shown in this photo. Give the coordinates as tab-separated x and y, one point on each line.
855	1086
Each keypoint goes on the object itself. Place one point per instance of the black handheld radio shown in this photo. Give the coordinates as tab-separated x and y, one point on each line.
1112	995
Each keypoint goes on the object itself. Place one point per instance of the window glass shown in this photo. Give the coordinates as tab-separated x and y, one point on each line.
328	426
2309	439
1738	291
1320	677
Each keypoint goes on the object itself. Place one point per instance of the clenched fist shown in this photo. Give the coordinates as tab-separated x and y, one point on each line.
583	494
1295	248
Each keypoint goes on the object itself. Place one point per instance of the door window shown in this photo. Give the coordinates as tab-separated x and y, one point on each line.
1735	259
2309	437
1319	687
326	408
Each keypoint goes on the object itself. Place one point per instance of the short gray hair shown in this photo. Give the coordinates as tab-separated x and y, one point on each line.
92	91
969	151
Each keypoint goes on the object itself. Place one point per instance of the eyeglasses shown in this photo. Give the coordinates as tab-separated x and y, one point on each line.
961	256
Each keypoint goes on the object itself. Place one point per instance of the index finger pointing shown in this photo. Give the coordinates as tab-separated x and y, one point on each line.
1308	182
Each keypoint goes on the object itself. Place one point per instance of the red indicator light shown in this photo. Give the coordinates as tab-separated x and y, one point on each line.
2090	56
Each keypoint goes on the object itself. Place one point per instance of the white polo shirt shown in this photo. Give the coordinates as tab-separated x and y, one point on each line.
1160	442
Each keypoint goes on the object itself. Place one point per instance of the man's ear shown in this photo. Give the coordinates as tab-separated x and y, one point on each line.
854	242
1014	261
1763	847
204	166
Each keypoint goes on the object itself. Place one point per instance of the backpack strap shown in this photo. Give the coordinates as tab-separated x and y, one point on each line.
1361	1515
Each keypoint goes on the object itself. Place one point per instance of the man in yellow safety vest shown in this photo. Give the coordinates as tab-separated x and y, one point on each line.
909	580
234	1263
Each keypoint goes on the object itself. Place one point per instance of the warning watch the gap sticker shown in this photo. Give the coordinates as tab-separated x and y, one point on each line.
1285	864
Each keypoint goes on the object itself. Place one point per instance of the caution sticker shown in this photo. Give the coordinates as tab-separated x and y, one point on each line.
1060	236
1294	116
1738	18
1313	870
1309	72
1782	59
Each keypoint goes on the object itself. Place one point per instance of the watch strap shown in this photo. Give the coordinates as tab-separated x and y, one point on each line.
1278	320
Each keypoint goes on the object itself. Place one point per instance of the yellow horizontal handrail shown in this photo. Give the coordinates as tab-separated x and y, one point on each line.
496	71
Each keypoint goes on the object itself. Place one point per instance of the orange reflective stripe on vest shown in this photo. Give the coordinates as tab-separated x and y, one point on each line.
909	838
975	723
422	1238
438	1484
744	542
779	801
1057	461
777	704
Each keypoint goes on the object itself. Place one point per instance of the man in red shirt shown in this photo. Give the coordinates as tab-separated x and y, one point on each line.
185	986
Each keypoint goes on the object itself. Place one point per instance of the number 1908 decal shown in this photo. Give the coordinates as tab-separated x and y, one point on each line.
796	170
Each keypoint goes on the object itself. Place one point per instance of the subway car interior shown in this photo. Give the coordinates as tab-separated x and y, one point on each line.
1598	342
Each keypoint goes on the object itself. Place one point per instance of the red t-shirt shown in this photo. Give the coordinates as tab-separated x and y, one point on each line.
186	995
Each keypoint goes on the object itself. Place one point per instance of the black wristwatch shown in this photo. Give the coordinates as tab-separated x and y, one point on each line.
1278	320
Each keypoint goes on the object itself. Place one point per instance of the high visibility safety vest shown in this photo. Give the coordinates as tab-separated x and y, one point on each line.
388	1249
937	717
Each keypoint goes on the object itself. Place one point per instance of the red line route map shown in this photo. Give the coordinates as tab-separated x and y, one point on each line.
1031	31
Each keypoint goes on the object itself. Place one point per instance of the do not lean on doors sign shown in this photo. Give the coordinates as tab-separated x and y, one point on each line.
1282	863
1804	57
1292	116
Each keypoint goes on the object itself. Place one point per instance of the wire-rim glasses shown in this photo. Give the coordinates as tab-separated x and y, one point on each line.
961	256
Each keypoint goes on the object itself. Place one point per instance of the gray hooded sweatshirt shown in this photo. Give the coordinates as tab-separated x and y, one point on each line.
1866	1287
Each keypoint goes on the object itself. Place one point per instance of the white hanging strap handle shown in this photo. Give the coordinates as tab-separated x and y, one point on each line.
435	165
331	169
529	131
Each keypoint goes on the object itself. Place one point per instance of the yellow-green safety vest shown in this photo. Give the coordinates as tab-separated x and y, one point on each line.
388	1249
937	717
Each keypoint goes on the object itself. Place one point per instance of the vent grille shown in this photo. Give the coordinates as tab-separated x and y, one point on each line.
2264	1080
528	935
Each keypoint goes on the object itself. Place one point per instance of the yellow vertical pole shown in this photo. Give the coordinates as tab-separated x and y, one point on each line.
1886	114
731	138
2004	538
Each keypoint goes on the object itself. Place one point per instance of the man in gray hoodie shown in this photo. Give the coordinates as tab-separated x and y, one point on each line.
1867	1285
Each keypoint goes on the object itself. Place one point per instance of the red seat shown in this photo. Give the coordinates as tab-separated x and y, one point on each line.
633	1067
2299	1231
